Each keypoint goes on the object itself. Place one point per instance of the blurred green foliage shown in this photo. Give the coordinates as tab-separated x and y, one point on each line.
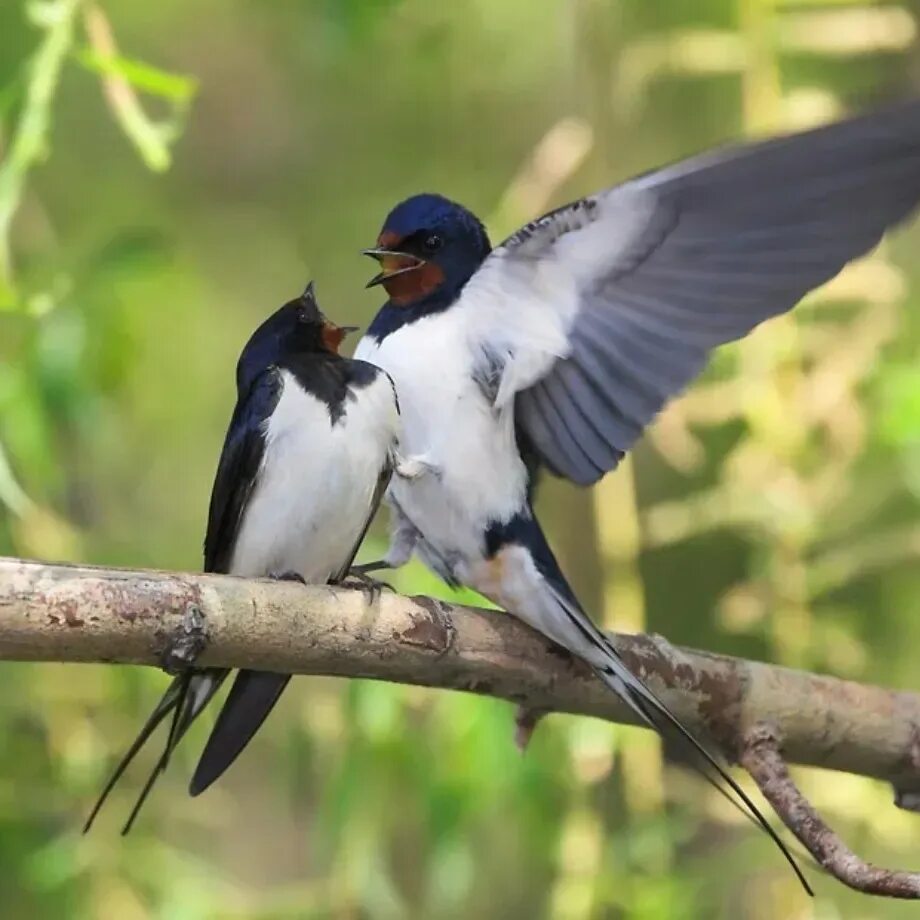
771	513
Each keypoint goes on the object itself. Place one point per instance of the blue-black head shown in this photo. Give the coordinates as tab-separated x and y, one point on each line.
297	330
428	249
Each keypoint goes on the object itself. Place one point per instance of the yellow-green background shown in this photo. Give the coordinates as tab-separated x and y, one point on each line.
773	513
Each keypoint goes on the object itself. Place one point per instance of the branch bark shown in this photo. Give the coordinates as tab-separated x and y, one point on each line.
84	614
762	758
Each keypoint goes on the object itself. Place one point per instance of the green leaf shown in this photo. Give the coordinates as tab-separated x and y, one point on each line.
178	88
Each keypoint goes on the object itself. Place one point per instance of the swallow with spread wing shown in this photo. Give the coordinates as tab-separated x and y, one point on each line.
557	348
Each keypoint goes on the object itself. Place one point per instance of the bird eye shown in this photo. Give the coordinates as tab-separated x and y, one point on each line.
433	242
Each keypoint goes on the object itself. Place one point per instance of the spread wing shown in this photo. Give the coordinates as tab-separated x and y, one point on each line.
601	311
238	469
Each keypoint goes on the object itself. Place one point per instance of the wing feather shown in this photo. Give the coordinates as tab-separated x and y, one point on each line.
238	469
619	298
254	694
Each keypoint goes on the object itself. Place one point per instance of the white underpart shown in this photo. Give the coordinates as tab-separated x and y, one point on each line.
447	421
513	581
316	483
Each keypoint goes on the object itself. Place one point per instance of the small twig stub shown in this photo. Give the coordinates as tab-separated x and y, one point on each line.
188	640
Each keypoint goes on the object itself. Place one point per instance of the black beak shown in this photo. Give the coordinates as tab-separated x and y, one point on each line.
327	323
393	262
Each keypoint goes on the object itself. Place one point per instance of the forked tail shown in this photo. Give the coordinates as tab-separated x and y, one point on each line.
544	599
185	698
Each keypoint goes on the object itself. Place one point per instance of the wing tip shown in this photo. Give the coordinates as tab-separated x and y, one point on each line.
252	697
202	780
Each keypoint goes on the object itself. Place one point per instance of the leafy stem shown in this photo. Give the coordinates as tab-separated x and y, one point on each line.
29	141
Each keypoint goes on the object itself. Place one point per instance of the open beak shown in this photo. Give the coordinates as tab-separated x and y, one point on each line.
393	263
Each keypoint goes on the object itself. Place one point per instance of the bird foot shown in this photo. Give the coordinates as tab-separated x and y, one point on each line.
186	643
361	581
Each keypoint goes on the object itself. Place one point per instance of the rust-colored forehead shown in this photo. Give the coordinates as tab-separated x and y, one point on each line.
389	239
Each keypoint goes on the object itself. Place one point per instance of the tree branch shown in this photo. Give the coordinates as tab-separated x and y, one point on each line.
79	613
761	757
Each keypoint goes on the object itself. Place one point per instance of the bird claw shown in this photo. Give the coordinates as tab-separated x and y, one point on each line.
361	581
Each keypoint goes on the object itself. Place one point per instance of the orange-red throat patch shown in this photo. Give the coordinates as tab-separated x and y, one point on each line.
333	336
408	286
406	289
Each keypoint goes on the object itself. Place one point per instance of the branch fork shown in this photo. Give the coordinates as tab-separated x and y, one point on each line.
761	756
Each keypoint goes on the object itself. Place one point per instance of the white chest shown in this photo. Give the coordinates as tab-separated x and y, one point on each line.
316	484
449	422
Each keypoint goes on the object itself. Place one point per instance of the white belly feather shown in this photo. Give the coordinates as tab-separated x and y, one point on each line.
448	422
316	483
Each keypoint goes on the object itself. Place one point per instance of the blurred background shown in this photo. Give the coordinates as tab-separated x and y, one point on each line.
170	173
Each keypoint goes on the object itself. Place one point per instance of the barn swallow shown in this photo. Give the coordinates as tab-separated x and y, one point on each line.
305	462
557	348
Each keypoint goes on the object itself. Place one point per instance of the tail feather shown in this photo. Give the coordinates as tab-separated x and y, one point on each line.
179	719
185	698
548	603
656	715
252	697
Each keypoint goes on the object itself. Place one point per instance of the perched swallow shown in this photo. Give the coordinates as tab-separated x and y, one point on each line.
556	349
305	462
